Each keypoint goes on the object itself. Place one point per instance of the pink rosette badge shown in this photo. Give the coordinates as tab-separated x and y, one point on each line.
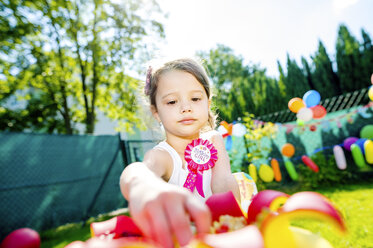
200	155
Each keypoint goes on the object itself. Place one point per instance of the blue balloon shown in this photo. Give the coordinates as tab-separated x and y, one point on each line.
311	98
228	144
360	143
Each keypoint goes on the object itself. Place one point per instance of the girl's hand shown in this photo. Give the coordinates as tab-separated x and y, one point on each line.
164	211
222	179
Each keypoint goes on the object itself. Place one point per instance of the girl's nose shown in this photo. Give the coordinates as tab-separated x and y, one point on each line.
186	107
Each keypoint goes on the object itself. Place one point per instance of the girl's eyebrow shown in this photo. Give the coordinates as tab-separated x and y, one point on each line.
171	93
192	91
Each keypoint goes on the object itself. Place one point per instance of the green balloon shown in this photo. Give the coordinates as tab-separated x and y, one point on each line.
358	156
366	132
300	122
291	170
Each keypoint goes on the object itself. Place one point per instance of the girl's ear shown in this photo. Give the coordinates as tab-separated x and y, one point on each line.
155	113
209	103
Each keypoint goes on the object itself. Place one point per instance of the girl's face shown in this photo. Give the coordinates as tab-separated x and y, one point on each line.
182	104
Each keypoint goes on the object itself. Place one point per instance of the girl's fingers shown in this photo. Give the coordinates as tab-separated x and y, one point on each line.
141	220
179	222
199	213
160	228
144	225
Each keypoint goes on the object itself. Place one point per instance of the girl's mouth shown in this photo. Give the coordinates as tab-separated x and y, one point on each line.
187	121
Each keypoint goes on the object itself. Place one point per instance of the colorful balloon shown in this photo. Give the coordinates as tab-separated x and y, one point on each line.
228	128
307	161
367	132
295	104
318	112
368	147
239	130
311	98
223	131
313	128
305	114
340	158
360	144
266	173
370	93
288	150
357	155
348	142
291	170
20	238
300	122
252	172
276	169
228	143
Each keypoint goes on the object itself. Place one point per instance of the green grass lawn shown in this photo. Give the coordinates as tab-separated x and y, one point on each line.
354	201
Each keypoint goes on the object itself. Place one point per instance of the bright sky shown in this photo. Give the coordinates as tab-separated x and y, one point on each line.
262	31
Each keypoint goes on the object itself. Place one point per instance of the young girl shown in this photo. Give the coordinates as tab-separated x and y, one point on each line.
180	100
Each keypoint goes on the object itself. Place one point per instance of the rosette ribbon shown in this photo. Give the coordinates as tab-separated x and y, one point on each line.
200	155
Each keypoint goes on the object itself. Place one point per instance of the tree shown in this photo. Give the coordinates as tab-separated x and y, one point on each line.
229	76
296	83
367	56
76	57
325	79
240	88
349	61
307	72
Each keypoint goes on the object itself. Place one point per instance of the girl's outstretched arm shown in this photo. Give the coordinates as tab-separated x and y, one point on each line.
161	210
222	179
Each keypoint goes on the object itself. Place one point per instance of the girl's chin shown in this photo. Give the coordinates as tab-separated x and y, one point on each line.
187	135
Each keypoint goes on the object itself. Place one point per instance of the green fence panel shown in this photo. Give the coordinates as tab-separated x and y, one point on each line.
49	180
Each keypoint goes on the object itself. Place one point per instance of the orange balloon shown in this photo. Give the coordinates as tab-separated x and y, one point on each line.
295	104
276	169
227	126
288	150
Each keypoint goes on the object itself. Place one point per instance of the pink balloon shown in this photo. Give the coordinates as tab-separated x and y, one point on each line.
22	238
305	114
348	142
318	112
339	157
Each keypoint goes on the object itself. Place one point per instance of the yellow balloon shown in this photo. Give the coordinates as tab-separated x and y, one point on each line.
368	147
295	104
266	173
252	172
370	93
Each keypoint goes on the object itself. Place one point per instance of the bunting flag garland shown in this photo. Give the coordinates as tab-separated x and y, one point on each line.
325	123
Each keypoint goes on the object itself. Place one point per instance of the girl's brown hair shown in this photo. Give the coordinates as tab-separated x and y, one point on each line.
186	65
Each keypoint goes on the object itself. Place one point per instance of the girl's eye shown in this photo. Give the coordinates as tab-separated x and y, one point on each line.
195	99
171	102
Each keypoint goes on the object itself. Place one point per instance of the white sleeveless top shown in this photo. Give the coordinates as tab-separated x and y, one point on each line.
179	174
